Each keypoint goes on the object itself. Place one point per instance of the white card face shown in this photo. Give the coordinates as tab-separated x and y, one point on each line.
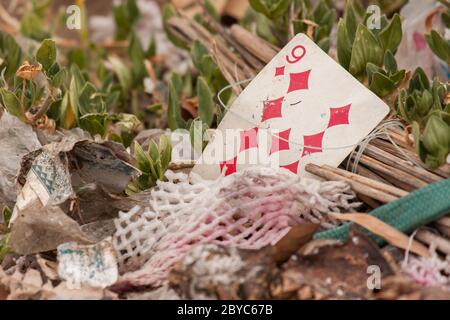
303	107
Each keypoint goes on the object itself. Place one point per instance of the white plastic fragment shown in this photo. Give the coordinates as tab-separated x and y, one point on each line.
88	265
16	140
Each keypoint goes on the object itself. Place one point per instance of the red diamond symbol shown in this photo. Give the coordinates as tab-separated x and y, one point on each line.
339	116
272	109
299	81
279	71
230	166
249	139
293	167
312	143
280	144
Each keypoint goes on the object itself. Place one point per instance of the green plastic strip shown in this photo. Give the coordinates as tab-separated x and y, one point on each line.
406	214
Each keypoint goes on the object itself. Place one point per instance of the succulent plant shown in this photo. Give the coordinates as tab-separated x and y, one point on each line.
437	42
425	105
273	22
421	99
357	45
384	81
209	82
152	163
317	22
433	145
68	98
272	9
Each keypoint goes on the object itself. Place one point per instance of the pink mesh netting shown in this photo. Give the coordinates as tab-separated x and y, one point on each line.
429	272
248	210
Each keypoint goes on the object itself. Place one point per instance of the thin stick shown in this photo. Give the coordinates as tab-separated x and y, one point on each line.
393	172
401	164
396	182
252	60
399	139
445	221
443	229
369	182
365	172
357	186
373	204
443	171
430	238
255	45
183	164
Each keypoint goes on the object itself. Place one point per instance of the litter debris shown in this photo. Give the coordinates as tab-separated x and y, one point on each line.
92	265
249	210
226	149
50	177
314	271
30	285
16	140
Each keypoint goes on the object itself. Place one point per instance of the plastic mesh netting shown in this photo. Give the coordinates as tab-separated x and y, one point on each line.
248	210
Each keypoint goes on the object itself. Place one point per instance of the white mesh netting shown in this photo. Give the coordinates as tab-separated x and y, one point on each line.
248	210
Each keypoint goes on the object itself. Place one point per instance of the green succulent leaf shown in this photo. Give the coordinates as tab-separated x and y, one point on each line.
177	82
59	79
152	48
11	103
4	247
390	63
67	112
372	69
206	103
351	21
165	151
125	16
419	81
153	151
122	72
46	54
272	9
7	214
11	53
31	27
381	85
142	158
439	45
211	10
398	77
169	12
366	49
125	120
77	56
436	136
137	57
344	46
197	132
175	120
391	36
95	123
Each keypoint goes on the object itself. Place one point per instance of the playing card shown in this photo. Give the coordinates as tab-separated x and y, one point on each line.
303	107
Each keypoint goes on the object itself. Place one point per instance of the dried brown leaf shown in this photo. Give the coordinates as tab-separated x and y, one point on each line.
382	229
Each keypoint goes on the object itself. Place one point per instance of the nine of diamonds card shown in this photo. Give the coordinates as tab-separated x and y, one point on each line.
303	107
